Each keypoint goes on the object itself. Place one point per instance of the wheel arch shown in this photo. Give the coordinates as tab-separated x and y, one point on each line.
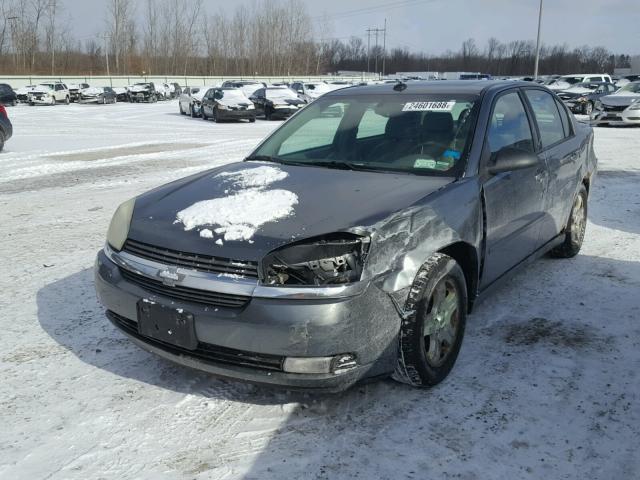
466	255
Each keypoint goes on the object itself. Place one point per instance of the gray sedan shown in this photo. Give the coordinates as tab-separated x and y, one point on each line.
354	245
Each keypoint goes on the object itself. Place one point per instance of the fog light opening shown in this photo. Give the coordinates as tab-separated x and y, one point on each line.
337	364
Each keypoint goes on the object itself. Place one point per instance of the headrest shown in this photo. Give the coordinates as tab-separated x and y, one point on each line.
437	122
404	125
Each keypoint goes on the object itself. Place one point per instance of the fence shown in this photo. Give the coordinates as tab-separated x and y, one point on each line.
17	81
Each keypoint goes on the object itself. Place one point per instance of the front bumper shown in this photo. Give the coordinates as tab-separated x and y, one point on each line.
283	112
44	100
615	118
88	99
236	114
365	325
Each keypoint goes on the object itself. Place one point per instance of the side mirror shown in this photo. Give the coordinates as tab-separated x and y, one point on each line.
509	158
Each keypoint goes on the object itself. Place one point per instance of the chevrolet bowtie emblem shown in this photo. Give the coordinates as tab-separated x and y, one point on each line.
170	276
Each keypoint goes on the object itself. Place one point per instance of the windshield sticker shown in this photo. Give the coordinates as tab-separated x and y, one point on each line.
424	163
429	106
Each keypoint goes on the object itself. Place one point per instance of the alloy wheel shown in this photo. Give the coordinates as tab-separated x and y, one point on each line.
442	322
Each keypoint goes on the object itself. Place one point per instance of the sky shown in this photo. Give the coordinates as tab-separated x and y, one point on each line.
434	26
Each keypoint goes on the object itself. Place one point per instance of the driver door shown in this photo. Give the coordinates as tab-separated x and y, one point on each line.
514	200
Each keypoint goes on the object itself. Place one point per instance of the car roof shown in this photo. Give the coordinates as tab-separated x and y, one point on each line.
444	87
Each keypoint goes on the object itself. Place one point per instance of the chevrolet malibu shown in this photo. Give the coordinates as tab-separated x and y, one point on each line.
351	246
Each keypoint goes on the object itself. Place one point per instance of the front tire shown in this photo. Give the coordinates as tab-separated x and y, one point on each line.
1	141
576	227
431	335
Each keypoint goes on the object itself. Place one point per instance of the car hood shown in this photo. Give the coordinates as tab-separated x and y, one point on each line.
577	92
92	91
41	90
303	201
620	100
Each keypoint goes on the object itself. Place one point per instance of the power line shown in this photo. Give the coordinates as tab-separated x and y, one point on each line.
373	9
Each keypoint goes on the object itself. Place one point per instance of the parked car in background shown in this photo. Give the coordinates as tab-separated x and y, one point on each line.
276	102
222	104
622	81
566	81
102	95
352	248
74	90
122	93
176	90
247	86
6	129
23	93
143	92
310	91
190	101
163	91
49	94
581	97
7	95
620	108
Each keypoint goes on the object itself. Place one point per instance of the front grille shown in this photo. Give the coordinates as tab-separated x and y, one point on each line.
610	108
201	263
186	294
204	351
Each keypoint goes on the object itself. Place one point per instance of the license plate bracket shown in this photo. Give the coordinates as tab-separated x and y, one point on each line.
167	324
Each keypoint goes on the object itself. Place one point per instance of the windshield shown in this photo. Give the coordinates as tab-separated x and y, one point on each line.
280	94
46	85
588	86
426	135
233	96
631	87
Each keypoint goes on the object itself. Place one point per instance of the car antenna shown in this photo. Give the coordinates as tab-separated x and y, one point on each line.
399	86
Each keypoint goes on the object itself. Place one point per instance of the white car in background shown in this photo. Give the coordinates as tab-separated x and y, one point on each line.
310	91
190	100
619	108
566	81
23	93
49	94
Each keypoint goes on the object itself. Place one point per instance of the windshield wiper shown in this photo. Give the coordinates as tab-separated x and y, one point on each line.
264	158
340	165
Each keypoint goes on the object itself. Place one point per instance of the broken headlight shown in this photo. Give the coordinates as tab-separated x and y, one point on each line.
330	260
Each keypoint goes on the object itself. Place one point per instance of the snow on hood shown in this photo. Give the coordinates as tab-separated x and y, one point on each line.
139	88
23	90
92	91
119	90
240	215
41	89
579	90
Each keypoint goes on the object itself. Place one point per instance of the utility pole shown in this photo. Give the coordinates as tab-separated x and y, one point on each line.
535	68
13	21
106	54
384	46
368	47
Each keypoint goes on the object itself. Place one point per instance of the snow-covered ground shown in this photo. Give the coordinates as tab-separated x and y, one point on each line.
546	385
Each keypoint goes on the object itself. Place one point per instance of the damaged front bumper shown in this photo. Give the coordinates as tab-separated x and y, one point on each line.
277	331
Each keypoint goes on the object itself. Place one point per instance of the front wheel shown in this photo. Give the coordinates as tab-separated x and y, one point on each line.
193	112
431	334
67	101
252	120
576	227
1	141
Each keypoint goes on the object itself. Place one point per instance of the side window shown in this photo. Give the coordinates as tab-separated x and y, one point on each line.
509	125
58	86
564	118
547	117
595	79
371	124
259	93
611	88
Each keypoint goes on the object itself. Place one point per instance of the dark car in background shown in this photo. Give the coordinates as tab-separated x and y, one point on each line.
7	95
101	95
221	104
352	247
143	92
276	102
6	129
581	97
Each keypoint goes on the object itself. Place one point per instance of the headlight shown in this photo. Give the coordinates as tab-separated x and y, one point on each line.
119	226
331	260
635	105
583	99
597	105
222	107
250	107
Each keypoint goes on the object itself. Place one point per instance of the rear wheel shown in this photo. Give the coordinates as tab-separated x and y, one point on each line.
252	119
576	227
431	335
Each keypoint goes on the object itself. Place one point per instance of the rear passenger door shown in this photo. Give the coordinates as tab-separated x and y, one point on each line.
514	200
561	151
